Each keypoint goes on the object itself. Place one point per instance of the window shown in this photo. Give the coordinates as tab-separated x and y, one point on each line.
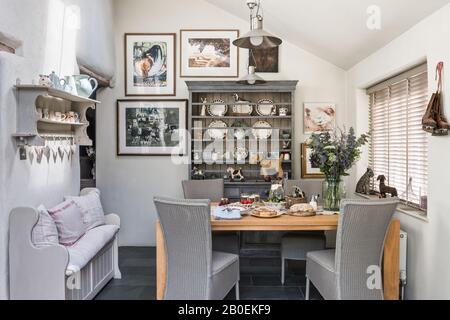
398	148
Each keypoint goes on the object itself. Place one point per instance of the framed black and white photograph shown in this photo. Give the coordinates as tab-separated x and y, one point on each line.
150	67
151	127
209	53
264	60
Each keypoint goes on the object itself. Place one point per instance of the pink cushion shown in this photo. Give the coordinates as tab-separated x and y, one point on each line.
69	222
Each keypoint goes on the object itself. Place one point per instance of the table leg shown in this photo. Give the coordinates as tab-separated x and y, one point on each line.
161	263
391	262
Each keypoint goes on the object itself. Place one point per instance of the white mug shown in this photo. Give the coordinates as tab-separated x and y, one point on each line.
283	112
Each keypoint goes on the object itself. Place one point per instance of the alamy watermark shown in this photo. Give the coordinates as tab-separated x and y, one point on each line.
374	17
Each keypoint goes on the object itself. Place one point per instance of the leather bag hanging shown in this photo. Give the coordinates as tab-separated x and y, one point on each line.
434	120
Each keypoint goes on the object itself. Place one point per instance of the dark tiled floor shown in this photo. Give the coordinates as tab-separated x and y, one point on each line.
260	278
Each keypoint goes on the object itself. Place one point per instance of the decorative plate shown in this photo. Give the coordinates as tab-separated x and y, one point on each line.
240	132
243	109
240	154
262	130
218	108
265	107
217	134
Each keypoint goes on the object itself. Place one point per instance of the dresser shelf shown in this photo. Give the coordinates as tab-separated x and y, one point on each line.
281	93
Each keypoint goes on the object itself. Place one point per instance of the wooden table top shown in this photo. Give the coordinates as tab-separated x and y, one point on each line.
283	223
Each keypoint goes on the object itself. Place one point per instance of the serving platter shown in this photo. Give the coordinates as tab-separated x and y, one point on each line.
217	130
265	108
262	130
275	213
218	108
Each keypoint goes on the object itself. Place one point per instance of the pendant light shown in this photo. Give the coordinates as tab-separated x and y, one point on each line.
257	37
251	78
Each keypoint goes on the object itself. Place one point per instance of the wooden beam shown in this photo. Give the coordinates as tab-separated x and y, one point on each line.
102	82
6	48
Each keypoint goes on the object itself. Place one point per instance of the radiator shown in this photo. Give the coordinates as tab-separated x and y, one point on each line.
403	257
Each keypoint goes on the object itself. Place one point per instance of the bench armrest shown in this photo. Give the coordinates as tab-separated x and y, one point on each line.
113	219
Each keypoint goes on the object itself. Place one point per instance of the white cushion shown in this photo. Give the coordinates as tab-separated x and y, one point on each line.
93	214
69	221
44	232
88	246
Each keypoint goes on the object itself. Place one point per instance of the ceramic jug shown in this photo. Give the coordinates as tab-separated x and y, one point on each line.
85	85
70	85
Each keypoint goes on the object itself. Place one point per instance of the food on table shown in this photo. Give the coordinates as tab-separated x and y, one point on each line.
266	212
302	208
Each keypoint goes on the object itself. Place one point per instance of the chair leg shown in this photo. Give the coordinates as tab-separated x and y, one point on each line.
282	270
236	287
307	289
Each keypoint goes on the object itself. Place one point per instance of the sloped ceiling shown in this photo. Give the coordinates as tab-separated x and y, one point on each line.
336	30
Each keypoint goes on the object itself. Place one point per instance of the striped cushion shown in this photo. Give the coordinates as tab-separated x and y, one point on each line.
44	232
69	222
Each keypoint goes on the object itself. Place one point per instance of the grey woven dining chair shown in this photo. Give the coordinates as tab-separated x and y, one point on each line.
204	189
341	274
295	246
194	271
212	190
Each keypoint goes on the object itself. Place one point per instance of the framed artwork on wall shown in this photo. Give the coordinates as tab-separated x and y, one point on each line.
209	54
151	127
150	67
265	60
308	170
319	117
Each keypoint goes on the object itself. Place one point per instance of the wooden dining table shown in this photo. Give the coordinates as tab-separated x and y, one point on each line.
391	257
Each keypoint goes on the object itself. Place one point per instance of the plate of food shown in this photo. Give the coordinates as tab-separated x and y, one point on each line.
218	108
266	213
262	130
217	130
275	205
302	210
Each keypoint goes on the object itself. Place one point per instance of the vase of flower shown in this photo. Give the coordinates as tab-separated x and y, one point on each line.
333	192
335	153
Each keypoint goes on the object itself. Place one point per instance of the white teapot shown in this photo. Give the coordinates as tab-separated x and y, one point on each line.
85	85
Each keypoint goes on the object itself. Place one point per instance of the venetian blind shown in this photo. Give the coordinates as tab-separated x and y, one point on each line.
398	148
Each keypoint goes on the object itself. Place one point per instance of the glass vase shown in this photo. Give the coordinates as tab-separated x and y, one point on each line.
333	193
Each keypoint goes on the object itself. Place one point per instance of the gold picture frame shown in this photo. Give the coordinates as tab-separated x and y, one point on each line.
308	172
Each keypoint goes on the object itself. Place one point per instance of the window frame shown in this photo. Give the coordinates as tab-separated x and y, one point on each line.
388	84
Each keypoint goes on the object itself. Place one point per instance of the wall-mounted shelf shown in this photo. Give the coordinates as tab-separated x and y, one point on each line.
33	130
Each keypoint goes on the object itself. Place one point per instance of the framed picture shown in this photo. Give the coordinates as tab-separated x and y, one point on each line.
151	127
265	60
150	68
209	53
308	170
319	117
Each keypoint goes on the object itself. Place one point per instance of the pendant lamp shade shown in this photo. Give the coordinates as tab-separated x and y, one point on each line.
251	78
257	38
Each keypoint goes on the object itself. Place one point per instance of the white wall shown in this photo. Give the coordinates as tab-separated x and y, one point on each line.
129	183
428	261
23	183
